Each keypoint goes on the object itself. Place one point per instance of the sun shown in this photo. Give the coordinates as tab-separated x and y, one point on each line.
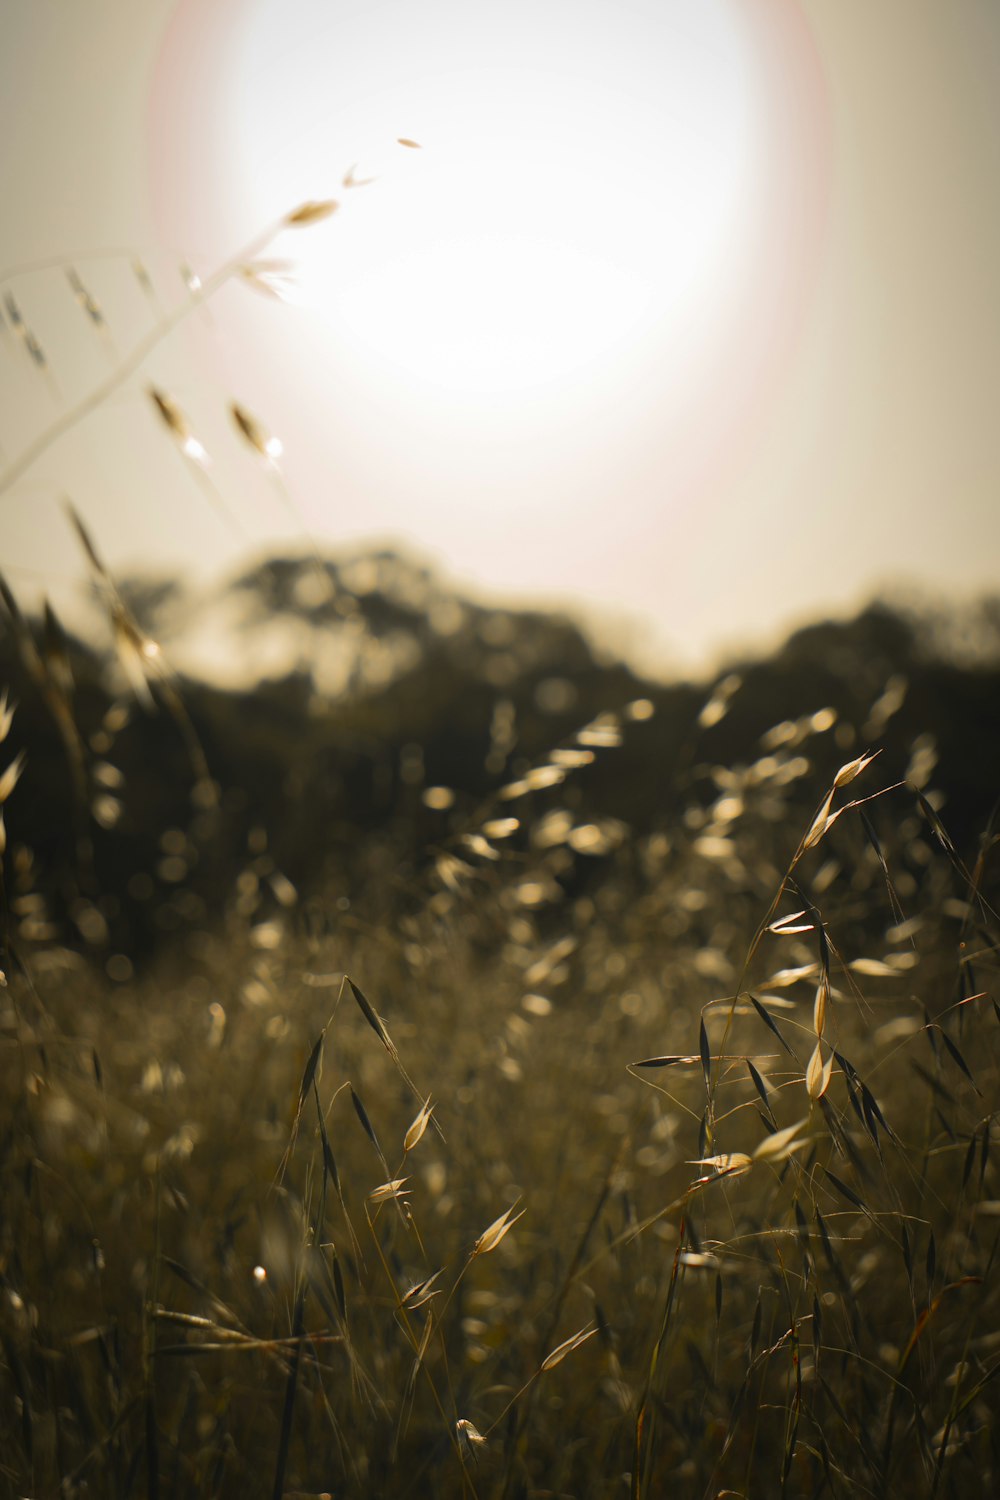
479	312
545	341
574	194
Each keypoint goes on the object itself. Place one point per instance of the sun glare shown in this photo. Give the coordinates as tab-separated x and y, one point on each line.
564	209
482	312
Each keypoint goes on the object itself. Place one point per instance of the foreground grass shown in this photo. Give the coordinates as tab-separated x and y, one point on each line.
704	1202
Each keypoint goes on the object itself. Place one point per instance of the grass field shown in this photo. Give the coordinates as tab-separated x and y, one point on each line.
680	1182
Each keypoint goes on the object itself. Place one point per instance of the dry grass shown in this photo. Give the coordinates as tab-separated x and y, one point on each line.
670	1231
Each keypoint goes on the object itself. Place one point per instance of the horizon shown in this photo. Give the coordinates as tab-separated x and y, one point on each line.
207	641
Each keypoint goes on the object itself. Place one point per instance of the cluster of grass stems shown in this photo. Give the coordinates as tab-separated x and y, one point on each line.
525	1205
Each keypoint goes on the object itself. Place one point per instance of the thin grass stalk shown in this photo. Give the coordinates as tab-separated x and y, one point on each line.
291	1385
644	1441
522	1418
133	360
151	1435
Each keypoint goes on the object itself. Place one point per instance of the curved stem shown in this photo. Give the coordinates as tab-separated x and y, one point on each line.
66	262
131	362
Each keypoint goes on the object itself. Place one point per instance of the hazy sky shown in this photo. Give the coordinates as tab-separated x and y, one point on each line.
684	309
